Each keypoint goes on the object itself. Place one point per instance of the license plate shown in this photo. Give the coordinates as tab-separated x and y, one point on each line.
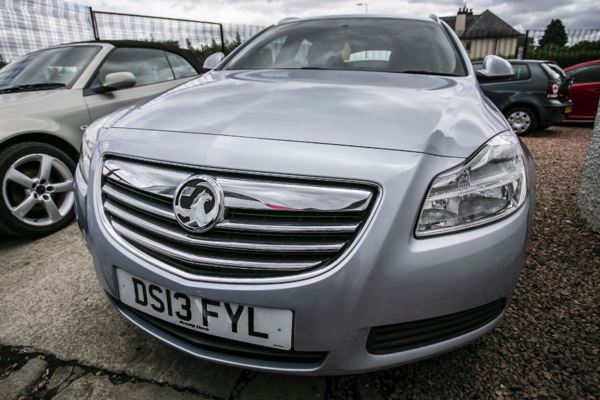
267	327
568	109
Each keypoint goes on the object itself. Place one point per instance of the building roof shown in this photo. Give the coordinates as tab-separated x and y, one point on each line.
485	25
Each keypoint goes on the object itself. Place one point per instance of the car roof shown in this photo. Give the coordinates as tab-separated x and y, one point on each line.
356	16
583	64
186	54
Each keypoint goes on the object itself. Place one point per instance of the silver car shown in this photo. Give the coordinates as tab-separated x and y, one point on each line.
335	196
47	98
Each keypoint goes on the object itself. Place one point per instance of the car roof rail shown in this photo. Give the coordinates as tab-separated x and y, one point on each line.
435	18
288	19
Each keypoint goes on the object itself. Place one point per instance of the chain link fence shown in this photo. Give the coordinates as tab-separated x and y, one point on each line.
30	25
233	32
572	47
185	33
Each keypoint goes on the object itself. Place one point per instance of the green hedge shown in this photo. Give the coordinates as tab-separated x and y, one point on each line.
567	56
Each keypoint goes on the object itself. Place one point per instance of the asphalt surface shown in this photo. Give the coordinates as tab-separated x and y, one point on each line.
548	346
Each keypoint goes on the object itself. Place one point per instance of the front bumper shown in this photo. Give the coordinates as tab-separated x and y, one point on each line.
390	277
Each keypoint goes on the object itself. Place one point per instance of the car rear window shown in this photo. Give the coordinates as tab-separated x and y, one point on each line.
555	72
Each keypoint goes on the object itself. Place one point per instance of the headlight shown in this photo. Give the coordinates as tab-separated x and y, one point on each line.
90	137
88	144
490	186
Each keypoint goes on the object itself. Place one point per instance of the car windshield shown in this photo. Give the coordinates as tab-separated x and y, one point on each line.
46	69
363	44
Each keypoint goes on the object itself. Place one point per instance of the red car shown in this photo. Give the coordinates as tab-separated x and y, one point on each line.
585	90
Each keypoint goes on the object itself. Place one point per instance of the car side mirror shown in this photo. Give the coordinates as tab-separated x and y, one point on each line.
116	81
495	68
213	60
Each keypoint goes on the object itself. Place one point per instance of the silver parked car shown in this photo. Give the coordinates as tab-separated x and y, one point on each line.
47	98
336	196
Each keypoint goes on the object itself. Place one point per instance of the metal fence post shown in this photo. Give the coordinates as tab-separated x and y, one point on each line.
525	44
94	25
222	37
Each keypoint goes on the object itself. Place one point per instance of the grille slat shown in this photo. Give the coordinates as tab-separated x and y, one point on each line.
207	261
137	203
241	224
258	239
172	234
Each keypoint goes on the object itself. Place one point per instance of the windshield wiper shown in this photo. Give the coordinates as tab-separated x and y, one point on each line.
423	72
32	86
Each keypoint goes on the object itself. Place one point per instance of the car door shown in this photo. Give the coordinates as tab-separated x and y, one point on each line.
585	91
155	71
500	92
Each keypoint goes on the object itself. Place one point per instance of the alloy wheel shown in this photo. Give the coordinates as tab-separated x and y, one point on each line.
520	121
38	189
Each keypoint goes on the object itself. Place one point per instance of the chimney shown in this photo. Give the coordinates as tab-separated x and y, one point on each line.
461	20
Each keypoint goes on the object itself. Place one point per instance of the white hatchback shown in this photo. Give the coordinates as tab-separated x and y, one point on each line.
47	99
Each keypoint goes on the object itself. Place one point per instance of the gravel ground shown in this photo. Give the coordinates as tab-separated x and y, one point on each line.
548	345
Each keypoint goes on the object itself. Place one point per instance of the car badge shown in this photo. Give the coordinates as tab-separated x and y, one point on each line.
198	203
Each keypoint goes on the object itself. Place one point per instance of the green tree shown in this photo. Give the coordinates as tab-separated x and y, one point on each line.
2	61
230	45
586	45
204	50
554	35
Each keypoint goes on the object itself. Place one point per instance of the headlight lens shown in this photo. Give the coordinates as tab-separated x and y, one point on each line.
491	185
90	137
88	144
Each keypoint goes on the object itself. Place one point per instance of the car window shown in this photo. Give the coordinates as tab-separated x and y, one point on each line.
557	69
372	44
276	45
59	65
181	67
148	65
370	55
585	74
521	72
302	52
555	72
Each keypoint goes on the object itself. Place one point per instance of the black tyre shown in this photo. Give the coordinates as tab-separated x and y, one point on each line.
36	194
522	120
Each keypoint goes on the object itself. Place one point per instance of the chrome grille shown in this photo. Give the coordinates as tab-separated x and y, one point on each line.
272	226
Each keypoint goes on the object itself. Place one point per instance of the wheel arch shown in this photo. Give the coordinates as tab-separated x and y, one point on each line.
522	104
42	137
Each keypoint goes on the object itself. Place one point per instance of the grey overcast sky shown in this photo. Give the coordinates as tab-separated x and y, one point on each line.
522	14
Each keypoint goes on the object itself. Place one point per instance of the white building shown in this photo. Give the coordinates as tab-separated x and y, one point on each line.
484	34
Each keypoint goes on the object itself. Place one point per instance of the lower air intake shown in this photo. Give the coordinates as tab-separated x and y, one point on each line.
410	335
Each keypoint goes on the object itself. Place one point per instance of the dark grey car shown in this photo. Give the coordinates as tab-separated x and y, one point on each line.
535	97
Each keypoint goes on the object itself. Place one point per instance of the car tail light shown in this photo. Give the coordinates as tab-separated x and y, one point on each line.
553	88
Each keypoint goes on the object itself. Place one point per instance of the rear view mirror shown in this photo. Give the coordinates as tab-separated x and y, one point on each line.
116	81
213	60
495	67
